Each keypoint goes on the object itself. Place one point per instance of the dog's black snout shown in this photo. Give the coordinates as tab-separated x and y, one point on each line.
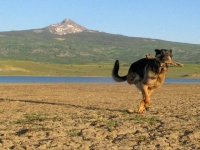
166	58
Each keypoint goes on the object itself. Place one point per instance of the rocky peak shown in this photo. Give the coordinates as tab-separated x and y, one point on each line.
67	21
65	27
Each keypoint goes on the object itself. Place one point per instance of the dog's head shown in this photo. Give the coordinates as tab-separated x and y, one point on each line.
164	55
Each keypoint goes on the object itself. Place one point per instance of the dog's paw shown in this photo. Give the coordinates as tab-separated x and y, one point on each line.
140	111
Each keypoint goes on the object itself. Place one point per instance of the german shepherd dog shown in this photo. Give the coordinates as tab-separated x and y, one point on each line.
147	74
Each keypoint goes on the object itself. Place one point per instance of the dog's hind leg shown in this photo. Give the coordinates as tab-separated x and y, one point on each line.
133	78
146	99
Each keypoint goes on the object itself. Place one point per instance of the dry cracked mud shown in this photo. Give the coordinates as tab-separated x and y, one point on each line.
95	117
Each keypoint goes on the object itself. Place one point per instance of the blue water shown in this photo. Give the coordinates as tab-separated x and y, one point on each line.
58	79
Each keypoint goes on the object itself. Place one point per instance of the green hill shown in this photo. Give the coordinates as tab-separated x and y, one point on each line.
87	47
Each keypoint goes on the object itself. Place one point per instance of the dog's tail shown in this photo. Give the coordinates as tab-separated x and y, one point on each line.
115	75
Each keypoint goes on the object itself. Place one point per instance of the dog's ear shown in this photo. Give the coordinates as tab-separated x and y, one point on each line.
171	51
157	50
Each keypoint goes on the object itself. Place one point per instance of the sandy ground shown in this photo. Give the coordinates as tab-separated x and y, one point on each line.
94	117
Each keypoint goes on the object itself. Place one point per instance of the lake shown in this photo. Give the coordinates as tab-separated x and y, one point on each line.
64	79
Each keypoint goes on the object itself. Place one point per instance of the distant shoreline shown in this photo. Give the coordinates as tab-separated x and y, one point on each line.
83	79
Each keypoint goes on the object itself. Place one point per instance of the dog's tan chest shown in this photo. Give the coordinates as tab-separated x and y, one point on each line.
156	81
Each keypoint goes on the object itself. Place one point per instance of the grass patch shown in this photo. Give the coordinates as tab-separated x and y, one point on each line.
32	118
36	118
111	125
186	71
151	120
74	132
8	67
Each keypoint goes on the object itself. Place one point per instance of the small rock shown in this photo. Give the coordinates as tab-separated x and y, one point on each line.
130	111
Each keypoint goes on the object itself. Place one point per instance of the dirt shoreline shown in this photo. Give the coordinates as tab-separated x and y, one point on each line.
94	117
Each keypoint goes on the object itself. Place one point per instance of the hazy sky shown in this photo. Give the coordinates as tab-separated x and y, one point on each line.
171	20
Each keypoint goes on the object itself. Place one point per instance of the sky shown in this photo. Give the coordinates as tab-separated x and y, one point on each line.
170	20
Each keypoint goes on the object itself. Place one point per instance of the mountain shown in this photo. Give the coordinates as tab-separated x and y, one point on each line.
67	26
68	42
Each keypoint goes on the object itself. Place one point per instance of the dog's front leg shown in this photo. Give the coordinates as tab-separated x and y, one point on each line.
146	99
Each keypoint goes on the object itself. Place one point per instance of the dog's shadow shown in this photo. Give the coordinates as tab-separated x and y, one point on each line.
62	104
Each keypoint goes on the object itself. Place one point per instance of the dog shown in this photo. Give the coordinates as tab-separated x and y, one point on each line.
147	74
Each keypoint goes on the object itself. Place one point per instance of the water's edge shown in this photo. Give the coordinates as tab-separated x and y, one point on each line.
64	79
